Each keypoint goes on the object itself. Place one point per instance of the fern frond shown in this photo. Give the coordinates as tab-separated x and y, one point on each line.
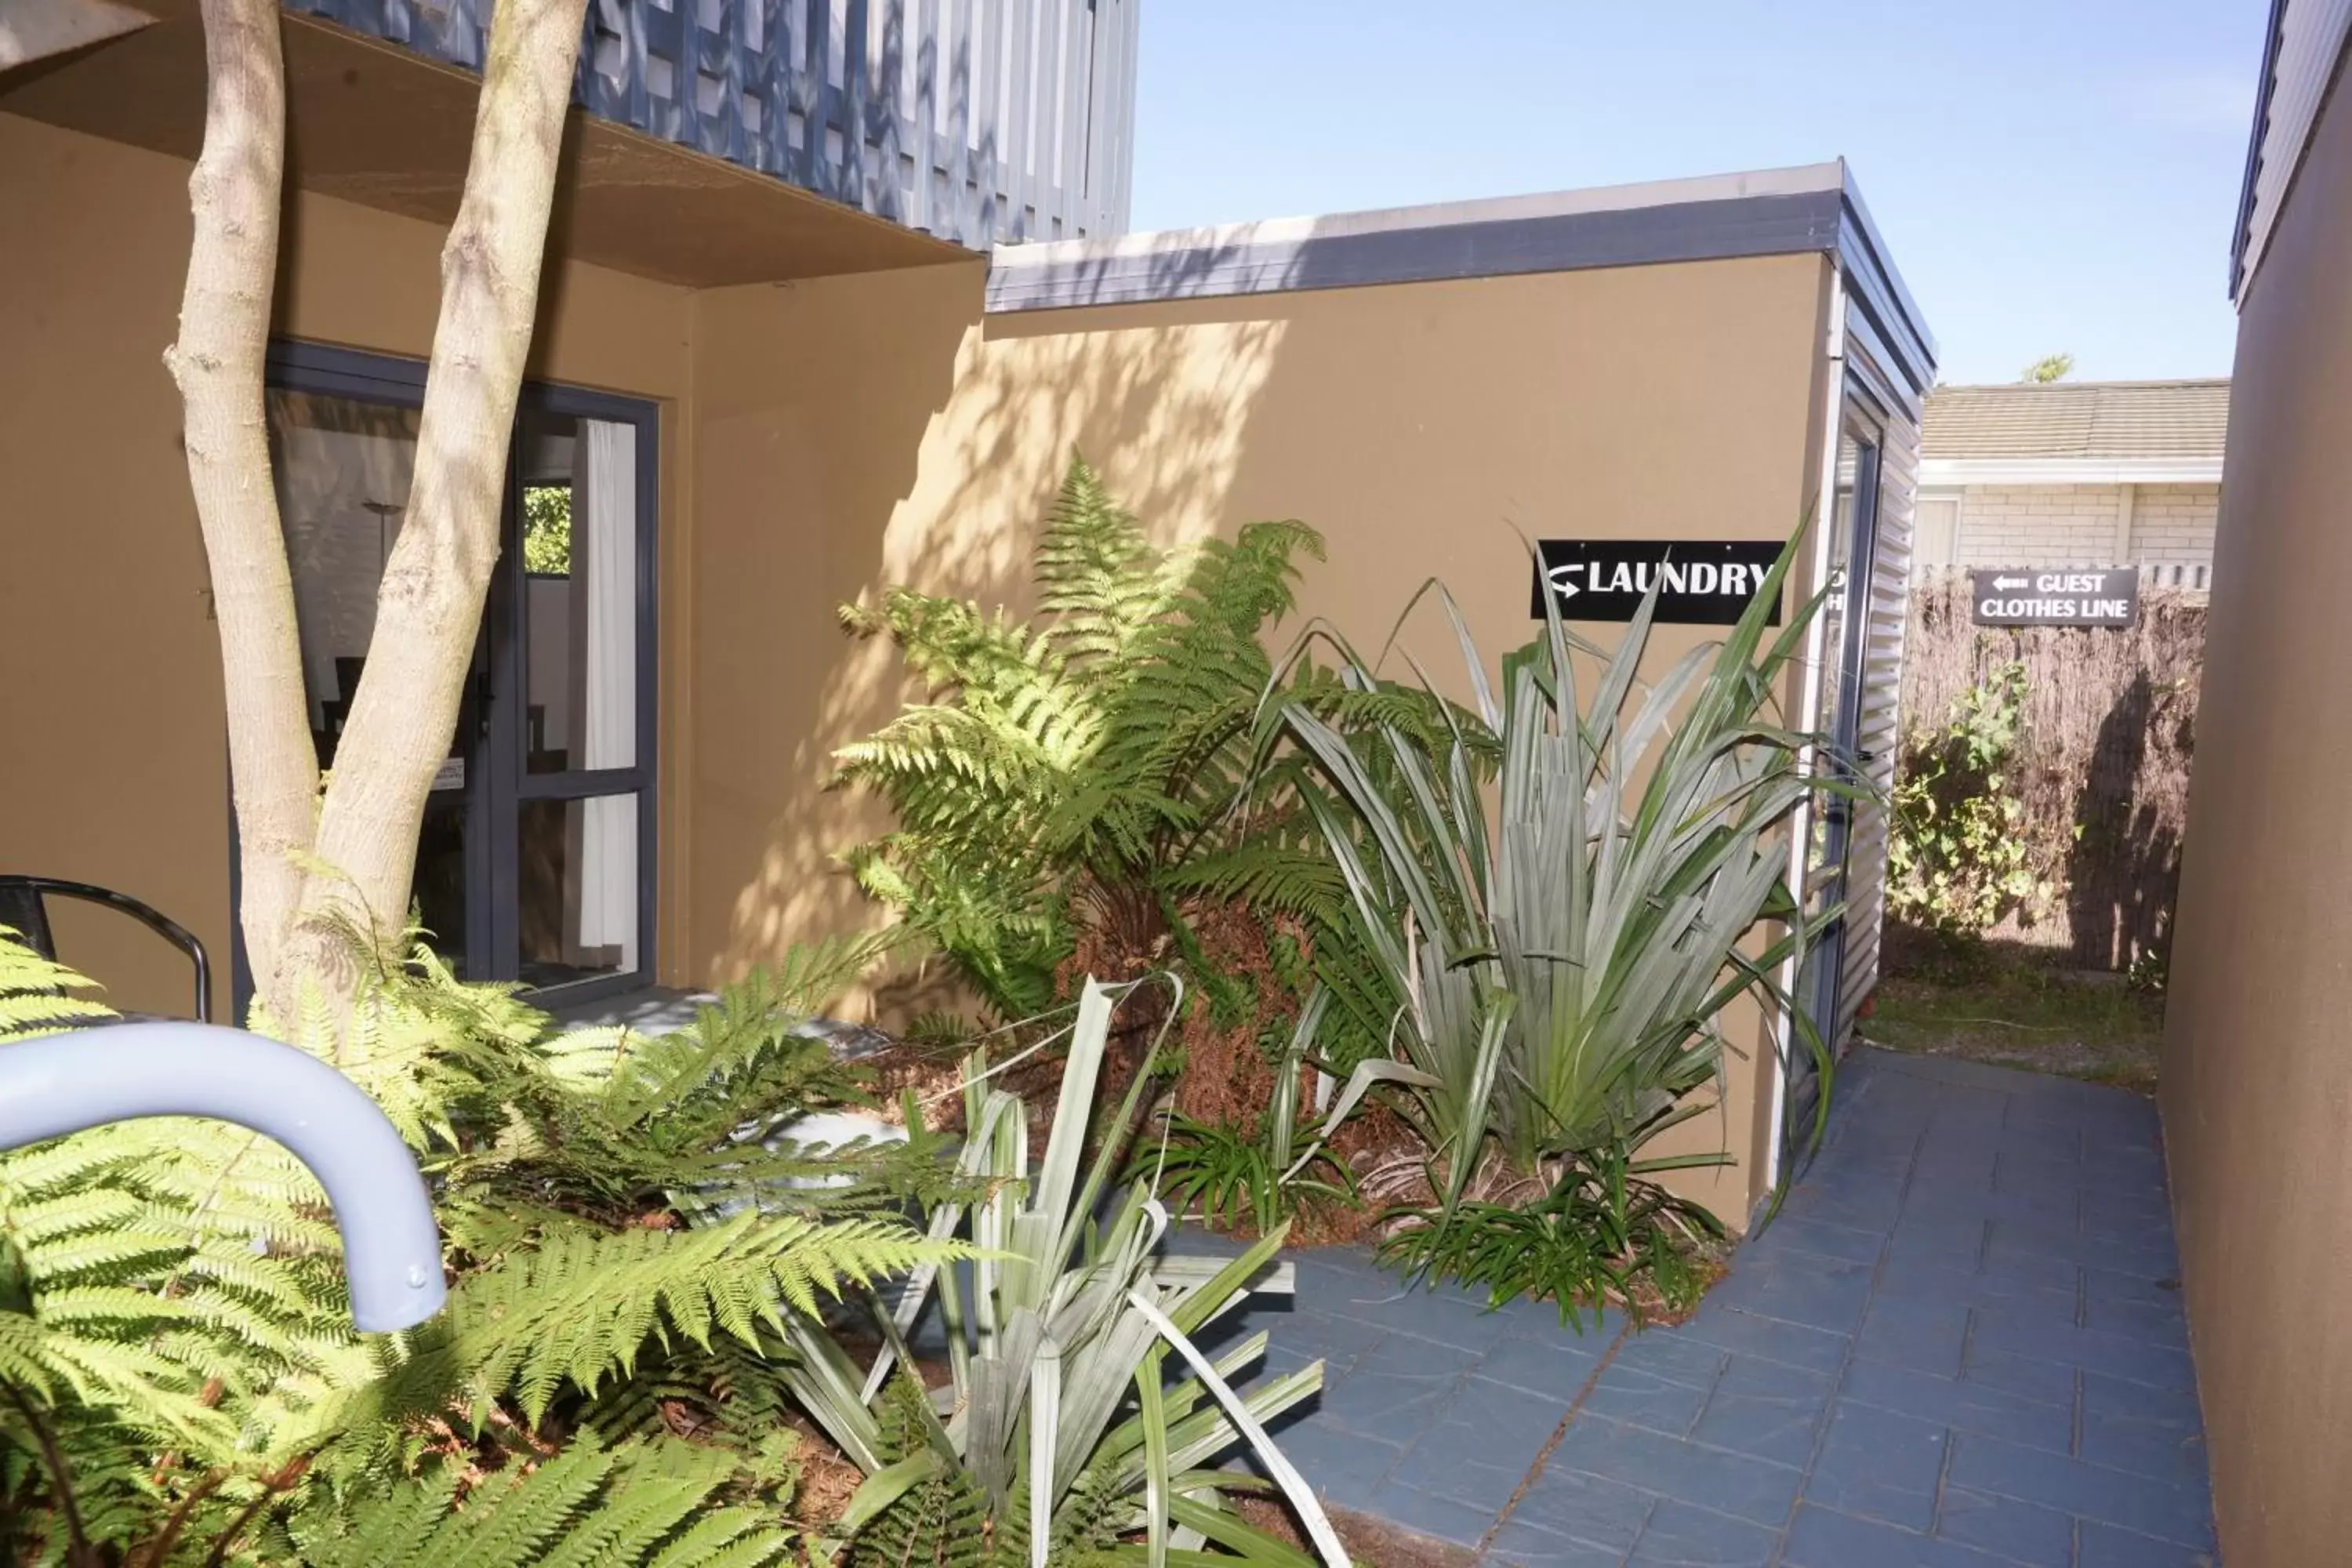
580	1307
645	1504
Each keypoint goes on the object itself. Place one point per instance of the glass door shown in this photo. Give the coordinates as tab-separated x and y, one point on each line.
535	859
576	631
1853	536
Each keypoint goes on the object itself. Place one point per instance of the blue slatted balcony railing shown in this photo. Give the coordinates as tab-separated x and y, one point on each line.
981	121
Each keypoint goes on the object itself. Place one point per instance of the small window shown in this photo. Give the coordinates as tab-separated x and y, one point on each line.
1936	537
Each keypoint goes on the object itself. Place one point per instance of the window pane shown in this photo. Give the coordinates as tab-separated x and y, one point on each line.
580	552
579	915
342	466
343	471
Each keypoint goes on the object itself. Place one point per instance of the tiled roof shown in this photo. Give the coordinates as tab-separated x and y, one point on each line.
2078	419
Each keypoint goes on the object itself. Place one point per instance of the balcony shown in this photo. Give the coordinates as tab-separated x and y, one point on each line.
976	122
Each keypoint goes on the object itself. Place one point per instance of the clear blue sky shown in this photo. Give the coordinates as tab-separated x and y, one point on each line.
2050	174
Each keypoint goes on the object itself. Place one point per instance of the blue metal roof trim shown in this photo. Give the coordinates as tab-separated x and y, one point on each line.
1815	209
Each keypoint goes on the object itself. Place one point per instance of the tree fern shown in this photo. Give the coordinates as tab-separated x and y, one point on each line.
178	1366
37	995
656	1504
1058	776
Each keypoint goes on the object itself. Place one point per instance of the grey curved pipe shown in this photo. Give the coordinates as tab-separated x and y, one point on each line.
392	1250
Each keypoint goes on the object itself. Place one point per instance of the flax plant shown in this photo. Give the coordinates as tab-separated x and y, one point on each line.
1065	1434
1563	933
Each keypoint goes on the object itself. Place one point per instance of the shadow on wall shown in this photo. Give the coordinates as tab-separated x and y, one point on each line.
938	479
2123	872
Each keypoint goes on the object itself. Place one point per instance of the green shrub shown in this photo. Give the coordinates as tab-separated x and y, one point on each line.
1959	857
1599	1233
1251	1176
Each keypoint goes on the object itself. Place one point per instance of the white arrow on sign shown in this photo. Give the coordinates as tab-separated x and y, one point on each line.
1560	576
2005	584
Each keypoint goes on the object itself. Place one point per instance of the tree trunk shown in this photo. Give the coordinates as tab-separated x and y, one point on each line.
430	605
217	362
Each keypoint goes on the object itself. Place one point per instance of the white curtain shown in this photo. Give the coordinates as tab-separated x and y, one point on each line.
605	590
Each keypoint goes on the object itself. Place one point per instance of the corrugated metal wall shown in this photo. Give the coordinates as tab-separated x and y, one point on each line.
981	121
1886	612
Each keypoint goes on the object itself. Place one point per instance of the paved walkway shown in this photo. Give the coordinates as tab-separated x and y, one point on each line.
1960	1346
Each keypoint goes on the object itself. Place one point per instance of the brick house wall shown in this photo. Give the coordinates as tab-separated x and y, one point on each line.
2036	525
2033	525
2175	523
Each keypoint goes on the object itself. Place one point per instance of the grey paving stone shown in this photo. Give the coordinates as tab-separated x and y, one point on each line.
1558	1366
1641	1398
1337	1342
1671	1354
2107	1285
1951	1240
2164	1450
1868	1208
1445	1518
2050	1381
2156	1261
1821	1538
1970	1406
1570	1505
1927	1336
2025	1170
1917	1279
2018	1531
2143	1220
1681	1536
1945	1069
1379	1396
2003	1255
1863	1170
1737	1484
1731	1329
2114	1355
2050	1212
1878	1464
2104	1546
2115	1396
2153	1256
1767	1409
1808	1288
1961	1158
1344	1467
1524	1546
1977	1263
1854	1244
1482	1445
2157	1322
2168	1512
1275	1363
1398	1308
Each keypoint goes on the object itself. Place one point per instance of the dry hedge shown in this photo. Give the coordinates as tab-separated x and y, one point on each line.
2109	728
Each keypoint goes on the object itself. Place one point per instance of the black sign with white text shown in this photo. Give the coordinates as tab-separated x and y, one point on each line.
2067	597
1700	582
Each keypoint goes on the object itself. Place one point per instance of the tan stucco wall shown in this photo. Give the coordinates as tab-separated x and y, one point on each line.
1413	425
2257	1075
116	765
821	438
